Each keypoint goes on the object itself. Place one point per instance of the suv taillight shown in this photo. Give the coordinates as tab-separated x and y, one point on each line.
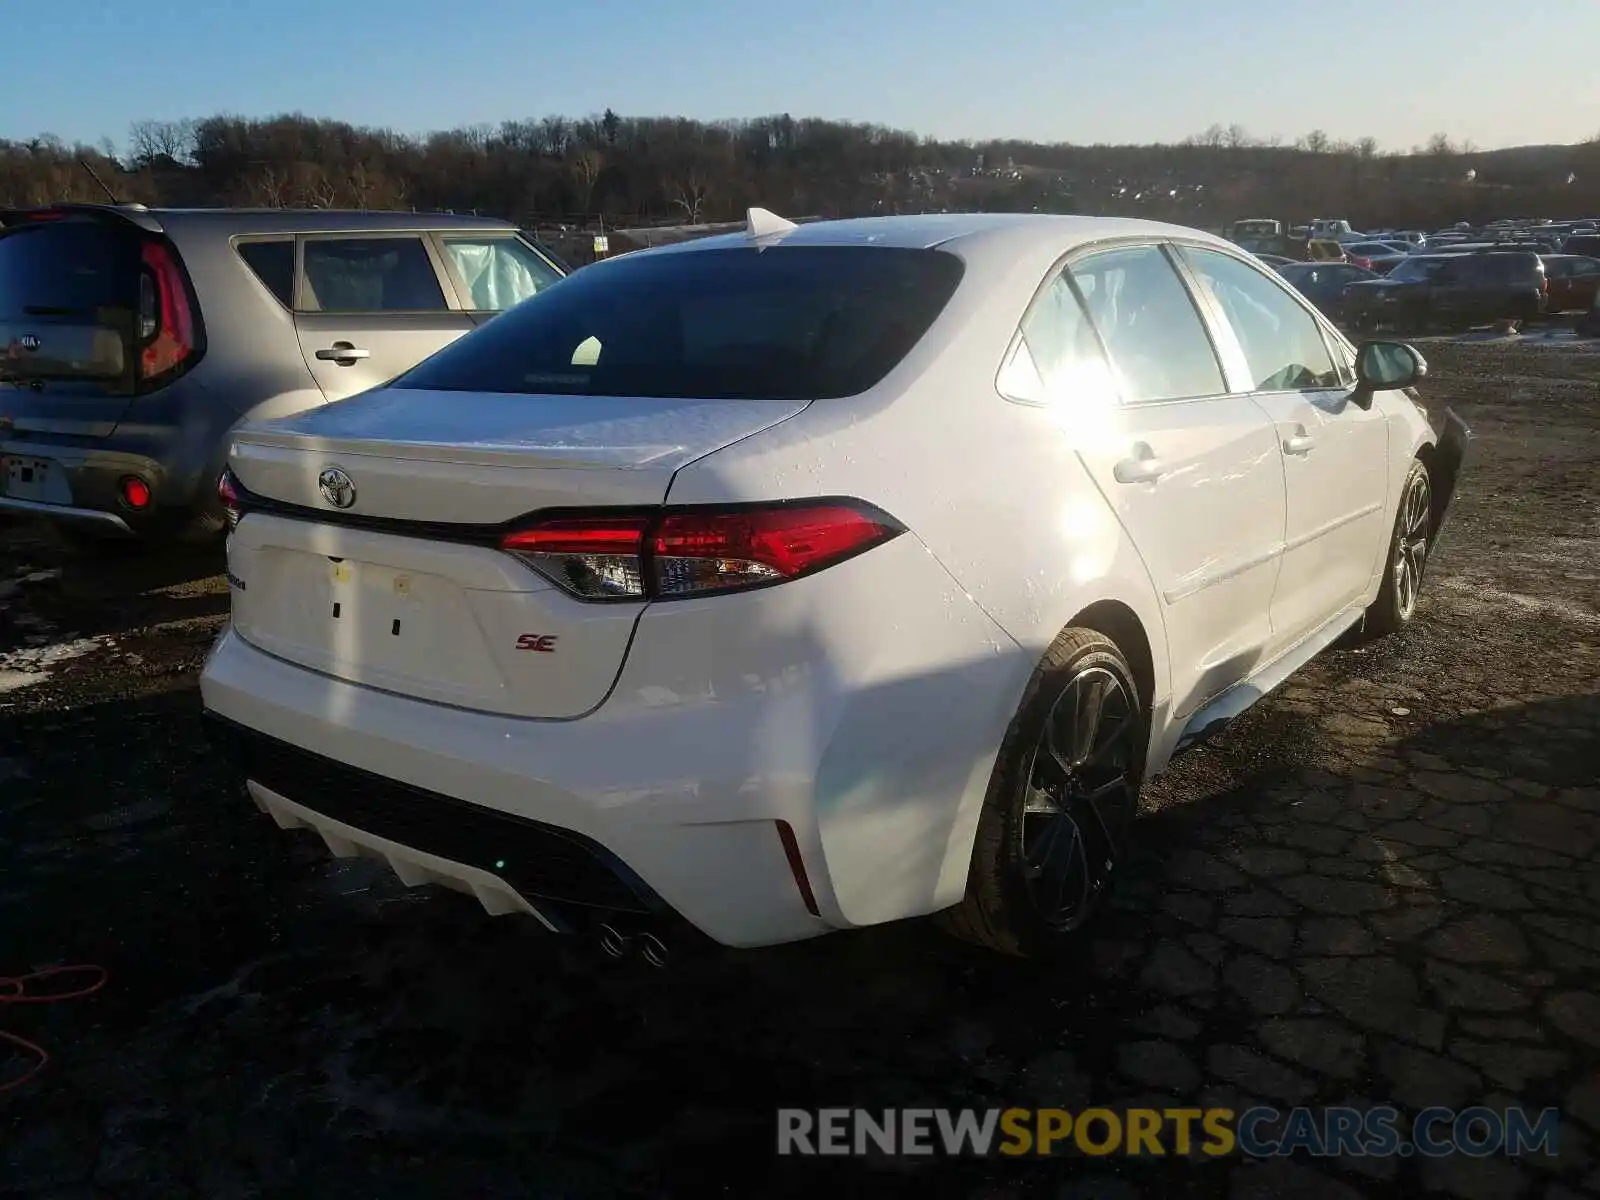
684	552
166	319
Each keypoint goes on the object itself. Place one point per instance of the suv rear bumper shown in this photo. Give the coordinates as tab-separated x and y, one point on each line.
87	493
87	517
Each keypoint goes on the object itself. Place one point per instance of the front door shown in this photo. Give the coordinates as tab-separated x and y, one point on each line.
371	306
1334	453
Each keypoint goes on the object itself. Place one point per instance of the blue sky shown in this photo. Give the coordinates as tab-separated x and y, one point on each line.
1128	70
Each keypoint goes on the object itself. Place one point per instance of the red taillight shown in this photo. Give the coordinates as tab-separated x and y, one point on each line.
135	493
596	558
166	322
228	494
696	552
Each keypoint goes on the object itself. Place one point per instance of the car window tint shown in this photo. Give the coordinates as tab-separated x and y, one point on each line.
497	272
1058	359
1158	346
370	275
733	322
273	264
1281	341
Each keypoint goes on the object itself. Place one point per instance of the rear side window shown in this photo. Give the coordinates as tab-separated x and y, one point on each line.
68	268
273	264
1151	329
1057	359
781	322
370	275
497	272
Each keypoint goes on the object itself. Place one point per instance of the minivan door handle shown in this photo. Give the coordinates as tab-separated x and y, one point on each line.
1143	467
346	354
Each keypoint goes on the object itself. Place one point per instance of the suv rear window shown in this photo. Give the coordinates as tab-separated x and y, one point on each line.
781	322
67	268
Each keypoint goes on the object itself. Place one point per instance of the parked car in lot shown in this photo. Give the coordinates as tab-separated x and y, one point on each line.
1573	281
1324	284
1377	257
1451	290
1589	324
816	576
137	338
1586	244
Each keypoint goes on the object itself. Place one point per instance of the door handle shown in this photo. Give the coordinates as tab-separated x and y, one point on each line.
1300	443
1143	467
345	354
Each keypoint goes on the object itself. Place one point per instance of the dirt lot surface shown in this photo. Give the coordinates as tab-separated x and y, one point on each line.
1380	886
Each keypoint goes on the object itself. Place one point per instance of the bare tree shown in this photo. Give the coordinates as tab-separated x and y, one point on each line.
689	192
586	167
1317	141
161	143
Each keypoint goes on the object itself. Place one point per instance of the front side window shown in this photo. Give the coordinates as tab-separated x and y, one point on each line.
497	272
1158	346
779	322
1282	343
370	275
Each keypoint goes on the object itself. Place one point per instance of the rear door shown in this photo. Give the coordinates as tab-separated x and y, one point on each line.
370	306
69	296
1190	470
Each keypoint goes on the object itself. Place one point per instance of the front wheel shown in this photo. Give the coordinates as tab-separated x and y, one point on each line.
1408	556
1061	802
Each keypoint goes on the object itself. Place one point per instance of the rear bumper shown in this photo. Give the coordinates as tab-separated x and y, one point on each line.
86	491
90	517
852	718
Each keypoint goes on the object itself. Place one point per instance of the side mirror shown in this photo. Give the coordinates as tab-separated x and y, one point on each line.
1386	367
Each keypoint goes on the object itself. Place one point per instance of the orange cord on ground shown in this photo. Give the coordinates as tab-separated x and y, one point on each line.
14	990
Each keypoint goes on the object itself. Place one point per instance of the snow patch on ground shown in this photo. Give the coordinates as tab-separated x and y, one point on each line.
31	664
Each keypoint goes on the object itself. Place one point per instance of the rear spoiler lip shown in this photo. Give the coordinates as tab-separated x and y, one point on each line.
140	217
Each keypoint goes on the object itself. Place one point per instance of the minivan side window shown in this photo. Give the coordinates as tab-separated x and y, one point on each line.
273	264
1158	346
1057	359
1281	341
370	275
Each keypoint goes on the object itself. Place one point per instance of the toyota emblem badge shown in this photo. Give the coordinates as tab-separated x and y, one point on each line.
337	488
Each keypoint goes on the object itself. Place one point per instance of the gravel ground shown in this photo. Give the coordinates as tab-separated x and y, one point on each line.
1377	887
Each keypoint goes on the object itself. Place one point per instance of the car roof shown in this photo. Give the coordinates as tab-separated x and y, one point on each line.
975	234
284	220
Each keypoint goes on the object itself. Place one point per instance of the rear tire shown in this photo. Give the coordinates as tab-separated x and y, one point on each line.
1061	802
1407	559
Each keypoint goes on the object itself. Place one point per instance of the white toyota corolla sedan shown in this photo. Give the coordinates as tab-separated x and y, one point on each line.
816	576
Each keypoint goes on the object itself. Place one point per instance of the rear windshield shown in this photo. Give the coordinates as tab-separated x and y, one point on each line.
783	322
68	268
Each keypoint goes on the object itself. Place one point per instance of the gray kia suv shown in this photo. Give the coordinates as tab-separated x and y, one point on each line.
133	339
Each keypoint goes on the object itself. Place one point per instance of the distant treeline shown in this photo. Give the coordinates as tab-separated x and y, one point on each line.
632	170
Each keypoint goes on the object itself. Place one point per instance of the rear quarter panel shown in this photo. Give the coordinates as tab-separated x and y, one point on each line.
993	489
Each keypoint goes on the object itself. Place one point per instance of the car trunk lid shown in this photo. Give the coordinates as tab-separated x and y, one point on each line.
401	584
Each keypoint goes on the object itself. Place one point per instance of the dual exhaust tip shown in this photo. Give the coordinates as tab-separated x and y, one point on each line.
614	943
